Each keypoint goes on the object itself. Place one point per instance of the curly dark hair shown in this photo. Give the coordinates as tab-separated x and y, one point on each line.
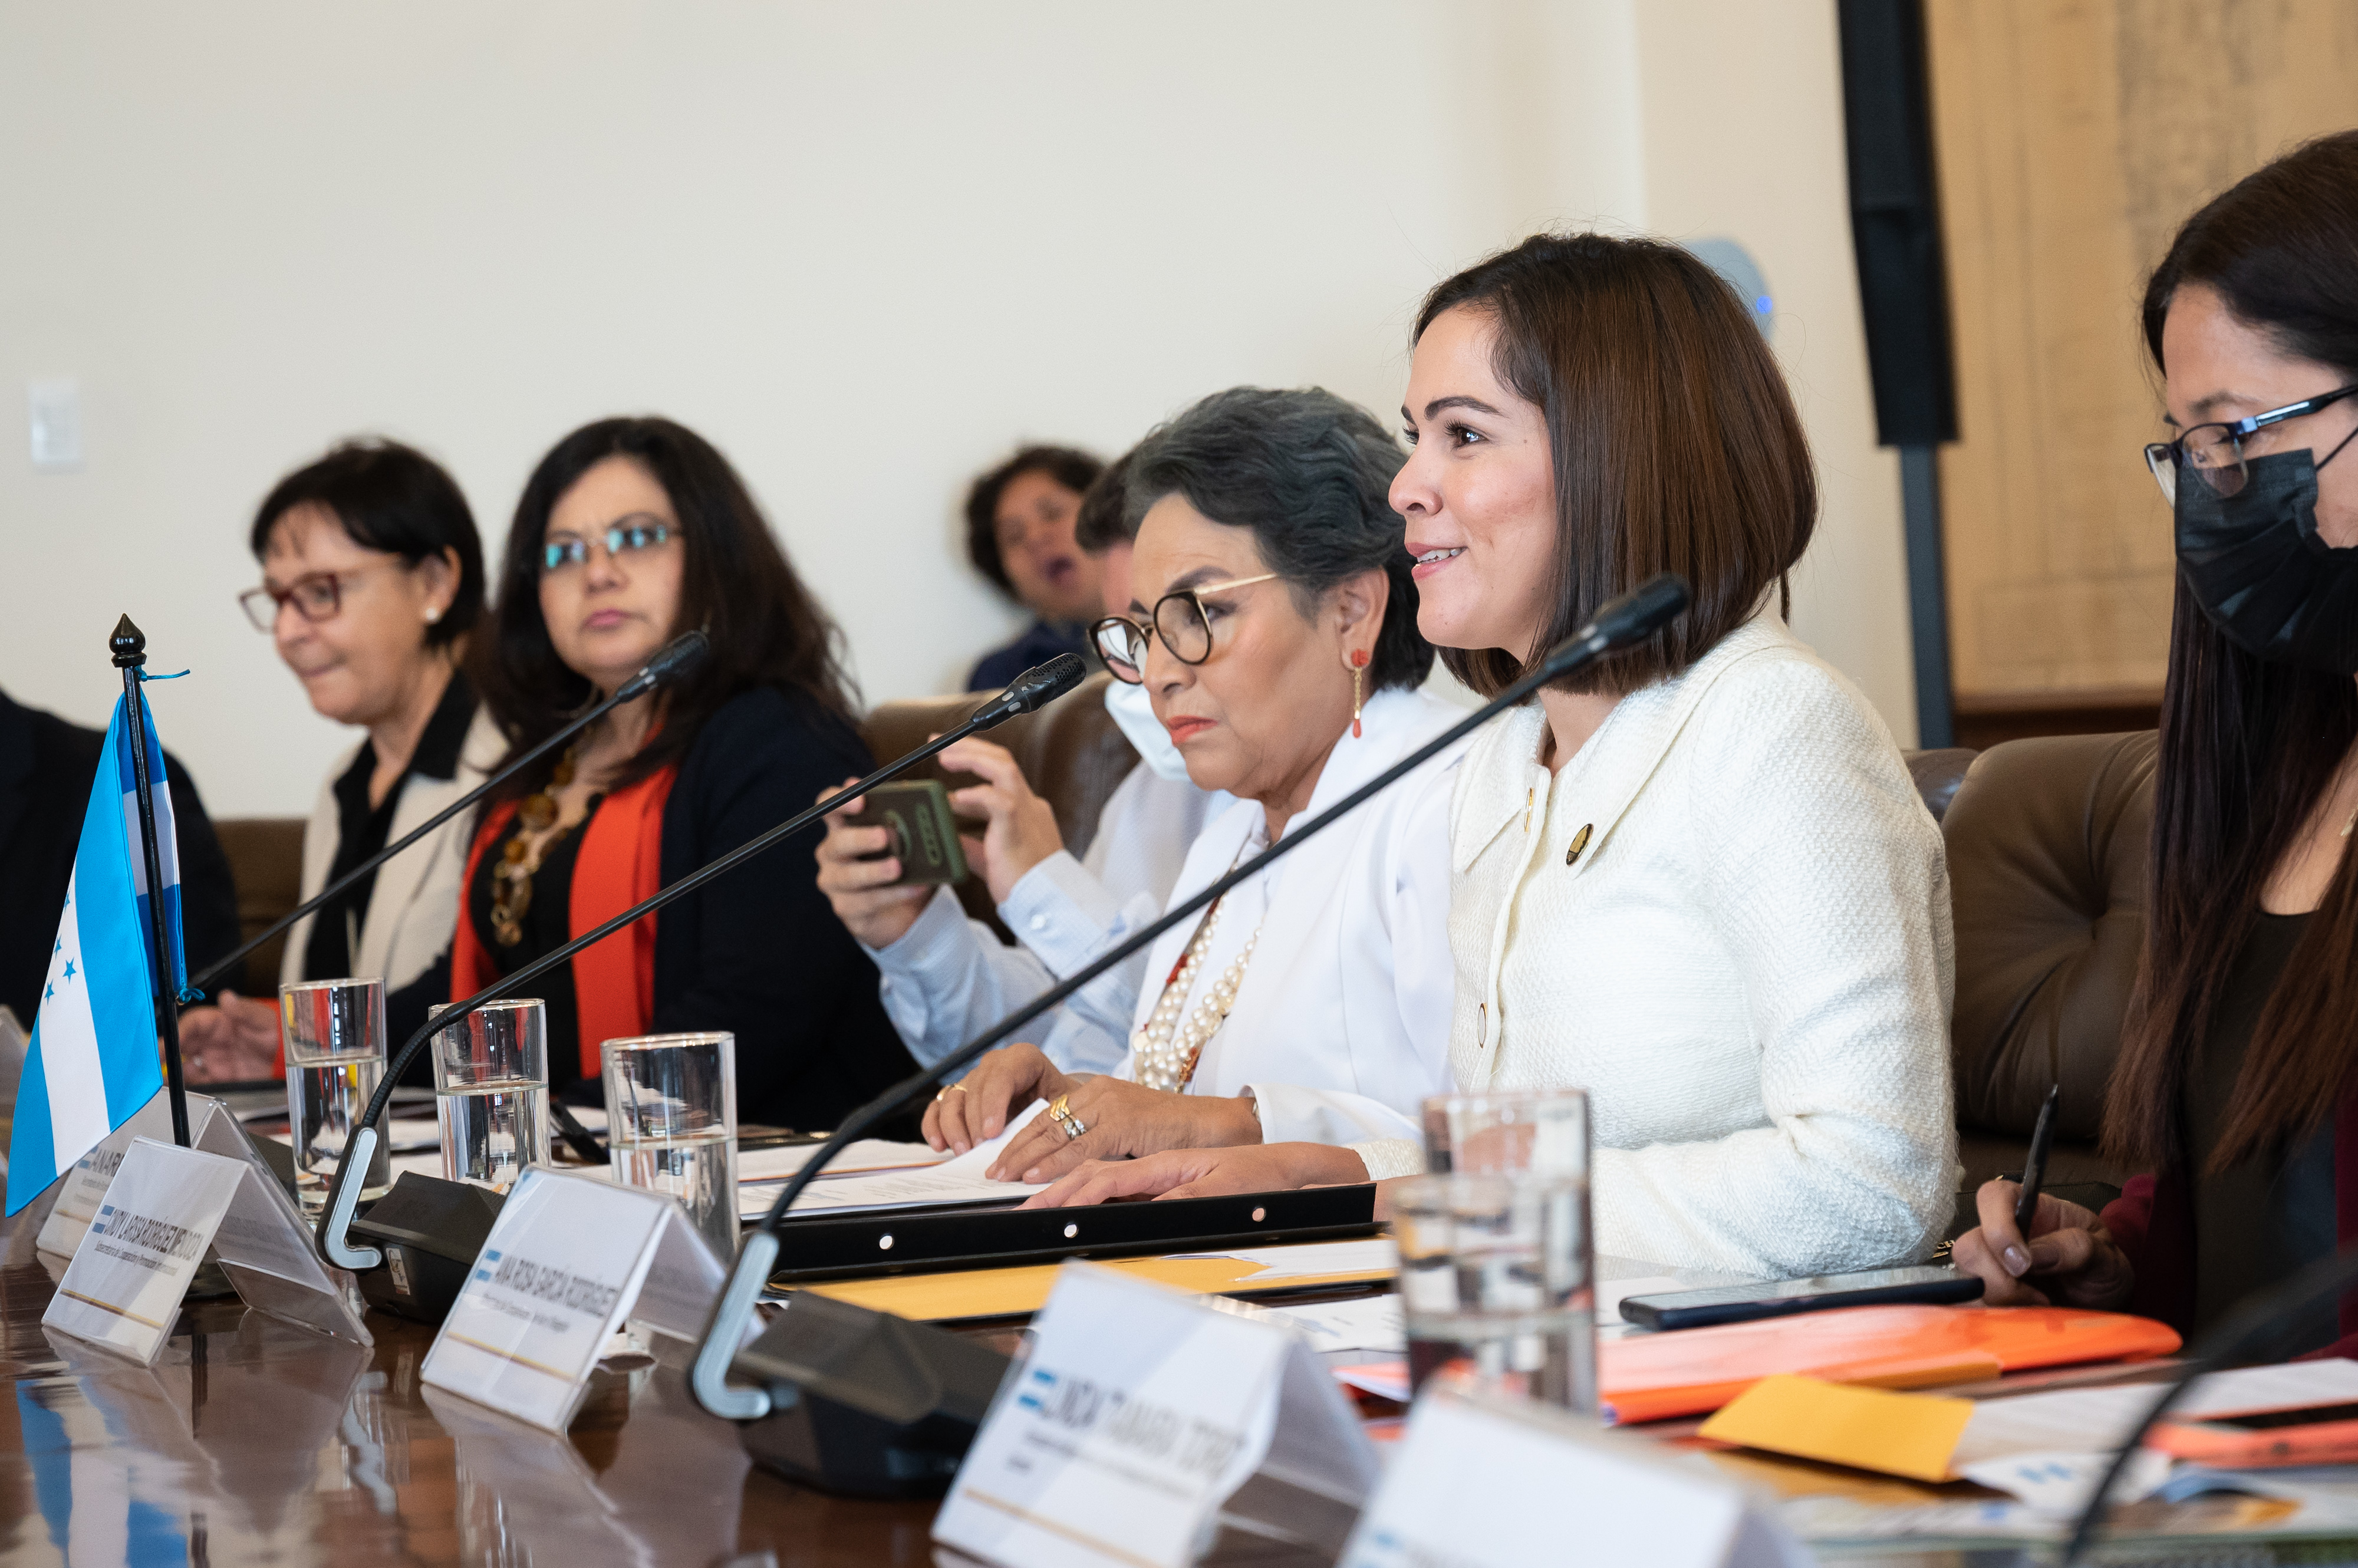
1068	466
767	628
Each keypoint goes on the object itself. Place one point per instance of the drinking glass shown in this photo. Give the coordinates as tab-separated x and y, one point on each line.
671	1125
1506	1132
1496	1284
491	1092
334	1035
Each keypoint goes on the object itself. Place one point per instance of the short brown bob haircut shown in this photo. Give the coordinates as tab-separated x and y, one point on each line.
1675	442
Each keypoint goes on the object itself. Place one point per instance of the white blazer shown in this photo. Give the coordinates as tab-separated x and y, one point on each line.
413	910
1747	964
1340	1026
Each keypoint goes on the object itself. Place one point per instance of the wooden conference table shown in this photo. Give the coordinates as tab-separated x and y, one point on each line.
251	1442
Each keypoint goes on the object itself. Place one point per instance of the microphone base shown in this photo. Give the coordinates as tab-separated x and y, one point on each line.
429	1231
863	1403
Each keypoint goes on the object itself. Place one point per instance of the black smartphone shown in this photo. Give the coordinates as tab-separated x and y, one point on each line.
925	834
1742	1304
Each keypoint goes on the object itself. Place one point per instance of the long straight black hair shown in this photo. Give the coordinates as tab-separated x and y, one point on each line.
2248	747
767	628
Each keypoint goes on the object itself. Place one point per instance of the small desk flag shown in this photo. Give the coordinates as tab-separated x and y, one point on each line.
94	1061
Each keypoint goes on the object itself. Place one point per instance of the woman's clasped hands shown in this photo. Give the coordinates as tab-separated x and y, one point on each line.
1115	1117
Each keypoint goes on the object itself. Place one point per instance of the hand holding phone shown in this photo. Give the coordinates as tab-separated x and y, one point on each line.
923	835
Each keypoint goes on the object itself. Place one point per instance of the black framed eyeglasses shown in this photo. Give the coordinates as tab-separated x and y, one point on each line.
316	596
1182	619
629	534
2215	452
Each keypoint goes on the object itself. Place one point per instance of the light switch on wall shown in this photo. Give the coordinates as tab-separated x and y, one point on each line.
55	409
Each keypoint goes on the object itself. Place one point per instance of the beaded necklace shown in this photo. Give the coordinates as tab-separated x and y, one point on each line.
1168	1044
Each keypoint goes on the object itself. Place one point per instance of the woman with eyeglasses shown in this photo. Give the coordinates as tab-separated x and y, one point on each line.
630	532
372	580
2233	1088
1272	626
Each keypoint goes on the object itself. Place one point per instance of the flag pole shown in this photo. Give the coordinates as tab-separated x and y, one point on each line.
130	648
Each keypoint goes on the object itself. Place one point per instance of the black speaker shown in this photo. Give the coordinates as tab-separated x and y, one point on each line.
863	1402
1895	217
430	1230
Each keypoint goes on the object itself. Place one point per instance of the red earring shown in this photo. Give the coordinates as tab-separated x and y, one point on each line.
1359	685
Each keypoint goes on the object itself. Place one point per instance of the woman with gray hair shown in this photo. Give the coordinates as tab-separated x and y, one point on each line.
1272	625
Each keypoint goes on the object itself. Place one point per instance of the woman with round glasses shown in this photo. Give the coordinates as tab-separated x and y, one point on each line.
372	576
1273	628
629	533
2232	1089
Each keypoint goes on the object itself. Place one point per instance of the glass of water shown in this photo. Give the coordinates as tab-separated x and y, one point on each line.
671	1125
334	1034
491	1092
1508	1132
1496	1284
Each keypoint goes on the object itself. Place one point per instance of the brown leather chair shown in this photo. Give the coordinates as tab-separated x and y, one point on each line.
2047	865
1071	751
265	857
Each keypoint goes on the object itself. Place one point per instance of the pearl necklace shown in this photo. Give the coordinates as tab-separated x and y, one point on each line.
1167	1046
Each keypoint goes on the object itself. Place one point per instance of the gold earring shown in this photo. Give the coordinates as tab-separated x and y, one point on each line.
1358	687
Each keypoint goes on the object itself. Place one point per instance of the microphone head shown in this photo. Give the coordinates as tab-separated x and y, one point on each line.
1632	618
673	661
1040	685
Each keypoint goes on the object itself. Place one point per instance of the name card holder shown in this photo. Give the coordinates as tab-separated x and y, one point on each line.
1143	1421
131	1264
569	1262
1483	1483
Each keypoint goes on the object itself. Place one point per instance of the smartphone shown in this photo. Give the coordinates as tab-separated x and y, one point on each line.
925	834
2319	1434
1742	1304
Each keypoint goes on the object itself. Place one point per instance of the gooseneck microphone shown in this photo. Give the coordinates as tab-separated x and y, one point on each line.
1631	618
672	662
1033	689
2252	1327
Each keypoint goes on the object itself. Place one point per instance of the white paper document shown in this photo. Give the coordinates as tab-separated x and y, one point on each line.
1362	1322
2090	1420
1369	1255
959	1180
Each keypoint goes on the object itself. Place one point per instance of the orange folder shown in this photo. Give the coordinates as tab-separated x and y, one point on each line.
1650	1376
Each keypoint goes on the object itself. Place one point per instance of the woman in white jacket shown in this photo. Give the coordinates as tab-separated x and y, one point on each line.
1273	628
1693	881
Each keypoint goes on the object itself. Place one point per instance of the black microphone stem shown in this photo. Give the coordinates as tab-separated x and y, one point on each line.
337	1215
1635	614
628	691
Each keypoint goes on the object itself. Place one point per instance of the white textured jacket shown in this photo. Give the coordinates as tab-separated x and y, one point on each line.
1747	964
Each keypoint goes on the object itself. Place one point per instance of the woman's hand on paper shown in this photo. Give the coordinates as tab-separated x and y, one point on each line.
1204	1173
1022	829
977	1107
861	891
2068	1260
1122	1119
234	1041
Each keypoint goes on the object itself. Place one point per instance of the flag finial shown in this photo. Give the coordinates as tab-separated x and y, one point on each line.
130	645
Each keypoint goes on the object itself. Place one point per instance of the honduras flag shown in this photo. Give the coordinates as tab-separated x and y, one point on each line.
93	1060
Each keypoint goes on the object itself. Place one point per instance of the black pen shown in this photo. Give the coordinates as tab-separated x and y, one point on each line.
2034	1170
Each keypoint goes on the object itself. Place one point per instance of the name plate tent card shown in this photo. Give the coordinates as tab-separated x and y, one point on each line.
1485	1482
131	1261
569	1261
81	1189
1142	1422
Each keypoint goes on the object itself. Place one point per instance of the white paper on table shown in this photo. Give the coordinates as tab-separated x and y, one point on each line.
1369	1255
2077	1421
1362	1322
861	1155
953	1180
2060	1485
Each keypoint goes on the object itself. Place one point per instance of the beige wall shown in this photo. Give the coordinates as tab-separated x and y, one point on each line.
864	249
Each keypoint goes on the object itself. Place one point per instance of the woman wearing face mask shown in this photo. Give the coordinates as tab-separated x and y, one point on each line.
1693	879
946	977
1273	624
372	576
630	532
2232	1085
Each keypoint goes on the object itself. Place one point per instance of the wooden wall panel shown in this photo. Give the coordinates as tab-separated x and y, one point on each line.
2074	137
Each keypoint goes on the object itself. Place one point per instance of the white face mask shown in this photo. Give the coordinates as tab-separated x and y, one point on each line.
1134	714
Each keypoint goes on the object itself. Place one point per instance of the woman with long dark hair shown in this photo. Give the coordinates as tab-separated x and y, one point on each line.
2231	1087
630	532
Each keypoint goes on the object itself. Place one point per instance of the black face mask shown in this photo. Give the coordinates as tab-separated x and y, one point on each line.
2257	567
